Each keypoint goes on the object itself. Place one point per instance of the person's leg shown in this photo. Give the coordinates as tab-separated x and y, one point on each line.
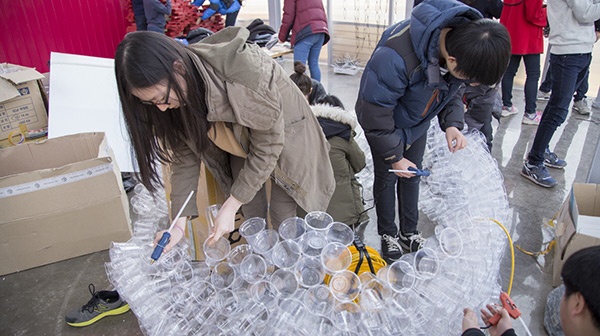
303	47
546	85
282	206
231	18
140	23
532	71
580	104
480	104
258	206
313	57
567	70
508	78
408	199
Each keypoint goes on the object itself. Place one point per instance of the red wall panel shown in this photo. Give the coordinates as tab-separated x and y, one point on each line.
30	30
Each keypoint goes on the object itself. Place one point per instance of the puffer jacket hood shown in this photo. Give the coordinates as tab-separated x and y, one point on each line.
335	121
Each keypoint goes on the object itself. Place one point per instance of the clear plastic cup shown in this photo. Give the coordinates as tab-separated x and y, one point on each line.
286	254
253	268
211	215
373	295
401	276
345	286
318	220
426	263
285	282
346	316
340	233
450	241
292	228
216	252
224	276
264	242
251	227
237	254
292	311
310	272
204	292
265	292
319	300
312	243
320	325
336	257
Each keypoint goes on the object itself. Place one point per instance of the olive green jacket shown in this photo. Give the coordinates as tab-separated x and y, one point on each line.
269	117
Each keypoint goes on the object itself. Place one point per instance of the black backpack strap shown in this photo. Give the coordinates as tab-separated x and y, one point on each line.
401	42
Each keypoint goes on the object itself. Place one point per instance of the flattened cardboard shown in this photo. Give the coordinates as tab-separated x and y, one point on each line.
59	199
582	205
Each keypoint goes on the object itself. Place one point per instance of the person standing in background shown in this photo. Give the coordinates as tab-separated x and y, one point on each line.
525	21
307	22
139	15
156	12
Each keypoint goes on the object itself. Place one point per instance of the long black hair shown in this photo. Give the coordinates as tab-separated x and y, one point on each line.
144	59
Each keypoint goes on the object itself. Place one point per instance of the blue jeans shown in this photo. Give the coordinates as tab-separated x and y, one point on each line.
387	187
568	72
309	49
532	71
580	91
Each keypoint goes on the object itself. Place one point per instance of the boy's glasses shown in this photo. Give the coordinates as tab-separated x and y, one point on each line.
166	102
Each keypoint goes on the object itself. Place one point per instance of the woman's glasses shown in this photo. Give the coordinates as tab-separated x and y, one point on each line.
166	102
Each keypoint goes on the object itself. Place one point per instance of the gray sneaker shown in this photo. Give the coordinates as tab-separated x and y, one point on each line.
103	303
582	107
544	96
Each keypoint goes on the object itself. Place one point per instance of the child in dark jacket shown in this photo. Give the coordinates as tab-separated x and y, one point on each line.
347	160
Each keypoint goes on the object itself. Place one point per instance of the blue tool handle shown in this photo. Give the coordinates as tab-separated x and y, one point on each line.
158	250
420	172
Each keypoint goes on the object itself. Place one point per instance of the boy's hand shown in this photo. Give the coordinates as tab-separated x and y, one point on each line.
404	164
455	139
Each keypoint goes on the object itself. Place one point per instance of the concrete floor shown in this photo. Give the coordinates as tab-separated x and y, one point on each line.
34	302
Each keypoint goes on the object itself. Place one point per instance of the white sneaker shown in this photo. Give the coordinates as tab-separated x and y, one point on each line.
582	107
532	119
509	110
541	95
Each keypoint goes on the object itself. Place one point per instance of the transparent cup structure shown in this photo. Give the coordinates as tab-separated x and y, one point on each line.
450	241
216	251
345	286
310	272
312	243
237	254
251	227
224	276
292	228
264	242
346	316
211	215
340	233
401	276
426	263
373	295
319	300
318	220
285	282
204	292
264	291
253	268
336	257
286	254
292	311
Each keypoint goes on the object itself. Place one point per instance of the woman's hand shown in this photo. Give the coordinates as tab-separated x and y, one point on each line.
177	233
225	220
455	139
503	324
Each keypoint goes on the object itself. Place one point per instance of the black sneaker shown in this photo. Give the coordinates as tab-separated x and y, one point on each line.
103	303
412	241
538	175
551	160
390	248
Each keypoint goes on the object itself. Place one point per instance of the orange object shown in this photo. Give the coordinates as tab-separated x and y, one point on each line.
509	305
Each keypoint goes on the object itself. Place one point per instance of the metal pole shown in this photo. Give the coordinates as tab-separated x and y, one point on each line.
275	14
330	27
390	12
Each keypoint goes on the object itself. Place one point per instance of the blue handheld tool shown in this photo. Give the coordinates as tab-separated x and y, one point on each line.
164	240
413	170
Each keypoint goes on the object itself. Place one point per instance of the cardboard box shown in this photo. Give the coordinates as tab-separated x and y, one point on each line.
208	193
577	224
59	199
22	100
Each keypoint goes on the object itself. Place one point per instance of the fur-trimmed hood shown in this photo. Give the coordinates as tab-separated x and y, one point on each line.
335	113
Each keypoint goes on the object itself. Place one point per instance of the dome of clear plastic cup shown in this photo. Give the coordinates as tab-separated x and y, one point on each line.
216	251
286	254
285	282
237	254
251	227
450	241
310	271
318	220
292	228
224	276
345	286
319	300
373	294
346	316
312	243
426	263
336	257
401	276
340	233
264	242
253	268
265	292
